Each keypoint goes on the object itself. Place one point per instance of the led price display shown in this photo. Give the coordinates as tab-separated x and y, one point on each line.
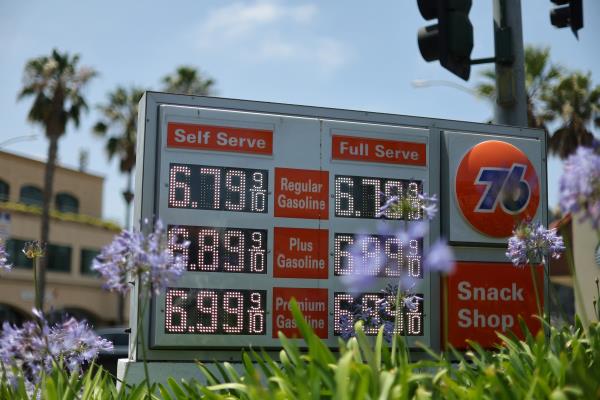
218	188
344	305
377	255
214	249
362	197
215	311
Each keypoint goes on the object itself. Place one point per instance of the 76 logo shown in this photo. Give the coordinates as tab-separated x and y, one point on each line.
505	186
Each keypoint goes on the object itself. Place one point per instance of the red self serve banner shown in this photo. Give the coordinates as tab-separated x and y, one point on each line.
300	253
219	138
312	303
484	298
378	150
301	193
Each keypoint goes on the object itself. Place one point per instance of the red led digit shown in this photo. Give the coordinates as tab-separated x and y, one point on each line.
208	250
342	261
369	305
234	243
233	305
399	322
415	323
239	188
259	193
339	312
210	297
216	173
371	251
177	236
346	210
375	183
256	315
257	253
412	196
393	188
179	189
393	251
172	310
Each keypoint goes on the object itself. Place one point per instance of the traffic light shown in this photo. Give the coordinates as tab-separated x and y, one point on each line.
450	40
569	14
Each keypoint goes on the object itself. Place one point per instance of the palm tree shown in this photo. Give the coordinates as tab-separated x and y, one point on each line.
540	75
56	84
188	80
574	103
120	123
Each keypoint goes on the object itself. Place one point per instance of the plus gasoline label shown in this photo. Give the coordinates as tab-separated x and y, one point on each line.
496	187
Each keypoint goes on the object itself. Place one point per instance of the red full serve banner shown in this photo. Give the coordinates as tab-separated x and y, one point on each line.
300	253
378	150
219	138
312	303
484	298
301	193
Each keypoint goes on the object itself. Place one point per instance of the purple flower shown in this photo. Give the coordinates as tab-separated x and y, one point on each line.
35	347
388	330
580	185
531	243
346	327
389	202
4	265
365	260
424	205
440	258
77	343
412	302
428	205
146	257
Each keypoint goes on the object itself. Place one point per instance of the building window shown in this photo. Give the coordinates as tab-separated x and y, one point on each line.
31	195
14	247
4	191
67	203
87	258
59	258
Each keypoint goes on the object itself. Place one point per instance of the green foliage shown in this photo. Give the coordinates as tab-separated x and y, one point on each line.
188	80
565	364
56	83
119	122
557	96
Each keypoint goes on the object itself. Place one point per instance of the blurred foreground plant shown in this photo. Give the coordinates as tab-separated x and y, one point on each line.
4	264
564	365
135	257
36	348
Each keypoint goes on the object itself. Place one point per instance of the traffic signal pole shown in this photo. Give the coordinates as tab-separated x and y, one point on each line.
511	99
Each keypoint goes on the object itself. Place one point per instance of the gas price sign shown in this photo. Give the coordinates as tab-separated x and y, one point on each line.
279	206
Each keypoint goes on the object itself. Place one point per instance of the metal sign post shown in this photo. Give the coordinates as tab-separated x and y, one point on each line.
272	196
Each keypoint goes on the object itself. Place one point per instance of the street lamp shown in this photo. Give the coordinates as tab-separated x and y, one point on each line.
17	139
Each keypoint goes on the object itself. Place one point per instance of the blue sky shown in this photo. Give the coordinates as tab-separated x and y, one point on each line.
344	54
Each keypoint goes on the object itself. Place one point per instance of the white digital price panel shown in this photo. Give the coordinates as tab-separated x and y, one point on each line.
277	206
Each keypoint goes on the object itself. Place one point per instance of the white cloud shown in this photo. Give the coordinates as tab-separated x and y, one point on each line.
240	19
271	31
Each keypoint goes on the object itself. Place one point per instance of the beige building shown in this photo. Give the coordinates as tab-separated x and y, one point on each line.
77	233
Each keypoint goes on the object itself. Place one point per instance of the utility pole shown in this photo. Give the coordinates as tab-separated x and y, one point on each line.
511	98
